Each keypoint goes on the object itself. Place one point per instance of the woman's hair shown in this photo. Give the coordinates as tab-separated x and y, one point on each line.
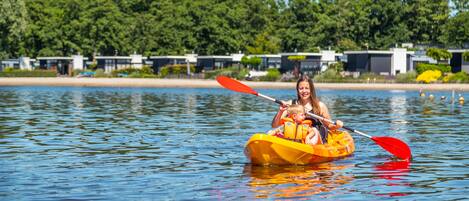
313	98
295	109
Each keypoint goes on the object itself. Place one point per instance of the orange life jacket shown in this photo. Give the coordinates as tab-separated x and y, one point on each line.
294	131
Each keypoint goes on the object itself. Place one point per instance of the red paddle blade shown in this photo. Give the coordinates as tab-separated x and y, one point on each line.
394	146
234	85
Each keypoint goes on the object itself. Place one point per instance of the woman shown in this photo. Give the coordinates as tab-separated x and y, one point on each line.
307	97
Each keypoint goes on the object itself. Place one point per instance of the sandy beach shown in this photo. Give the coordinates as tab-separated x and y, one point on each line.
196	83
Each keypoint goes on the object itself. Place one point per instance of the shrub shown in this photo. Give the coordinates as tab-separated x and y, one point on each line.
141	75
339	66
272	75
126	71
371	76
422	67
330	75
465	56
100	73
233	72
175	69
28	73
456	78
408	77
92	66
147	70
76	72
429	76
8	69
163	72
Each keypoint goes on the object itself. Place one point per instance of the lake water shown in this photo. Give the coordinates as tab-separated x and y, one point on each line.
66	143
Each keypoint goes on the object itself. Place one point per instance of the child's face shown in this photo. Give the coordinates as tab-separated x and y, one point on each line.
299	117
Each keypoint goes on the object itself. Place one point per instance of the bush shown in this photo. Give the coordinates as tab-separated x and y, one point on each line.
175	69
76	72
330	75
371	76
141	75
93	66
465	56
339	66
408	77
145	71
456	78
429	76
28	73
422	67
8	69
272	75
126	71
100	73
233	72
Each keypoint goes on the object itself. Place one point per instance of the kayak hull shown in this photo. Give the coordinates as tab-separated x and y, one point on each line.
263	149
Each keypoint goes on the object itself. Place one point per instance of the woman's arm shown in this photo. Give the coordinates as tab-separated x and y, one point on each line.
278	116
325	114
313	137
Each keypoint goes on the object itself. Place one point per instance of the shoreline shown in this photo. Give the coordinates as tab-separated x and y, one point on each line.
199	83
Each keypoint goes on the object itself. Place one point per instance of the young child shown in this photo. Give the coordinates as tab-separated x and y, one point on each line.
296	128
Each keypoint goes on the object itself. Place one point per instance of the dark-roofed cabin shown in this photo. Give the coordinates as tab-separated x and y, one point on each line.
457	62
208	63
311	64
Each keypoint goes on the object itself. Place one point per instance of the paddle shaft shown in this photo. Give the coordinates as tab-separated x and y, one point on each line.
316	116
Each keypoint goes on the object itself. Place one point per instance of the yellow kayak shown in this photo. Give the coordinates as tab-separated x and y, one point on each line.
263	149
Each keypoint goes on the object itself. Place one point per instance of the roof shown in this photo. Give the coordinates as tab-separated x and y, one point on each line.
369	52
54	58
113	57
458	50
57	58
265	55
214	57
300	54
168	57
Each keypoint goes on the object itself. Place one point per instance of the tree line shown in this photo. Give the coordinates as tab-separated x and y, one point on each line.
173	27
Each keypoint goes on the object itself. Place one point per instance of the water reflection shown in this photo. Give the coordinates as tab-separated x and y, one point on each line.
295	181
394	172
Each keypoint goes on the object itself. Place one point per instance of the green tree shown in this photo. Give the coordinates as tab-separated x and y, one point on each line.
388	25
458	30
296	24
264	44
251	62
13	26
296	59
460	6
426	20
439	54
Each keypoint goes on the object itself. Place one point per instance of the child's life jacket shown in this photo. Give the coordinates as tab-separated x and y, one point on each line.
294	131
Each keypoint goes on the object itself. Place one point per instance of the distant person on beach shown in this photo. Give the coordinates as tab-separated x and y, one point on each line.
306	96
295	127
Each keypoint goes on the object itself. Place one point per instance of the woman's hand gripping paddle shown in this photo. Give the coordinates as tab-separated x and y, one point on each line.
393	145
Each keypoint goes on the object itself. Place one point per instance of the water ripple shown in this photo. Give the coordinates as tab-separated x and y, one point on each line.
143	144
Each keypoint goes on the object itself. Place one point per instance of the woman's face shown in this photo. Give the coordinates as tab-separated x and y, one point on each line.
304	90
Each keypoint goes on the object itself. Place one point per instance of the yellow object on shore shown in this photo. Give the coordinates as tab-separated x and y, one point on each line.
263	149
